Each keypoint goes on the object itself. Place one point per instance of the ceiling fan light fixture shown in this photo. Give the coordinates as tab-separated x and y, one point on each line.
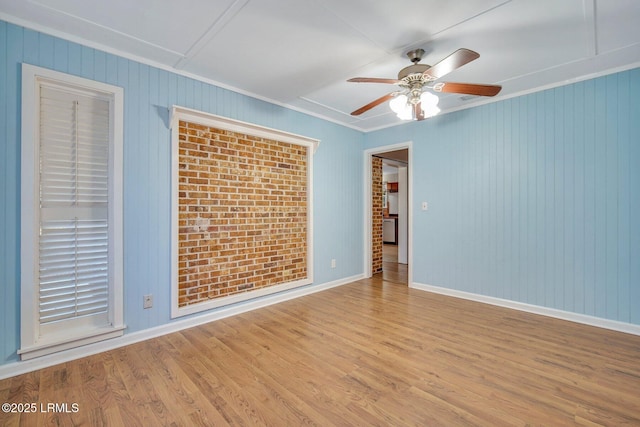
398	104
430	111
427	98
406	113
403	106
429	104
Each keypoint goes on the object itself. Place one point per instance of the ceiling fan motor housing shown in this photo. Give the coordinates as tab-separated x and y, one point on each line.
413	72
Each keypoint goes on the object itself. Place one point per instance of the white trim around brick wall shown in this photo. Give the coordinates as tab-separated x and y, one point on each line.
218	122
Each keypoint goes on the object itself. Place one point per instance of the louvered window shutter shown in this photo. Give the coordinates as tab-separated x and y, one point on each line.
74	188
71	252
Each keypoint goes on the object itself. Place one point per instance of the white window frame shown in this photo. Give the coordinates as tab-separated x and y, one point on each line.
32	343
193	116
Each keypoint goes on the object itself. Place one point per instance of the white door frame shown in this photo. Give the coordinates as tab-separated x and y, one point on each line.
368	204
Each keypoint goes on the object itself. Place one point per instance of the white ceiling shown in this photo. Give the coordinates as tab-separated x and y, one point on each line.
299	53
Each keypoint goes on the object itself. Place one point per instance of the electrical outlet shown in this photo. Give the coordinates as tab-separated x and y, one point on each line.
147	301
333	263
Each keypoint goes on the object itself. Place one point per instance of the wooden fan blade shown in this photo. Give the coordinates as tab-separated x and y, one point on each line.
373	104
373	80
456	60
468	88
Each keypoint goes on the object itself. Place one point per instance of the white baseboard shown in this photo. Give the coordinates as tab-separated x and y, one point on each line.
22	367
585	319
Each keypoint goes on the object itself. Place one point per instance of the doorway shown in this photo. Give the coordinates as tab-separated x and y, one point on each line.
394	215
388	239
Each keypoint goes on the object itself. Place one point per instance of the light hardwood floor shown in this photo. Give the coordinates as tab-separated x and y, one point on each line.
372	352
391	270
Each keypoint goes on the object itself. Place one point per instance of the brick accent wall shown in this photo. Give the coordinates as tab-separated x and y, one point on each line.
242	213
376	212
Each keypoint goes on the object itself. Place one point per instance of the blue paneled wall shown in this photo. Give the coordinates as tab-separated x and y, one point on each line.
149	92
533	199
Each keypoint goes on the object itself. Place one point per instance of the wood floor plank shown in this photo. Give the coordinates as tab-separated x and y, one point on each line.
271	369
207	383
234	378
373	352
143	405
174	385
307	370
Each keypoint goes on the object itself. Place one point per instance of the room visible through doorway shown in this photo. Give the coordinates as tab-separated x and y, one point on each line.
392	270
395	212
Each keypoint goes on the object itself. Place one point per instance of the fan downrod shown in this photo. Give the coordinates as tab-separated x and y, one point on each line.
415	55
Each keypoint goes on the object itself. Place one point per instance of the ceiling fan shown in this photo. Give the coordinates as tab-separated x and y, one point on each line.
411	101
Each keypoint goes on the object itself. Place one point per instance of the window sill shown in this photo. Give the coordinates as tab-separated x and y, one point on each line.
44	348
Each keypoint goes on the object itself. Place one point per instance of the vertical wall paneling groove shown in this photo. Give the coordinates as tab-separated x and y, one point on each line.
590	199
623	203
153	114
145	157
579	197
634	202
9	263
7	293
45	49
149	93
99	65
29	48
556	209
517	212
600	207
612	198
568	147
60	55
548	191
502	198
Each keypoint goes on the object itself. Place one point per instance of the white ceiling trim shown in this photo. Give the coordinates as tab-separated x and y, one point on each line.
226	17
526	47
136	58
105	28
